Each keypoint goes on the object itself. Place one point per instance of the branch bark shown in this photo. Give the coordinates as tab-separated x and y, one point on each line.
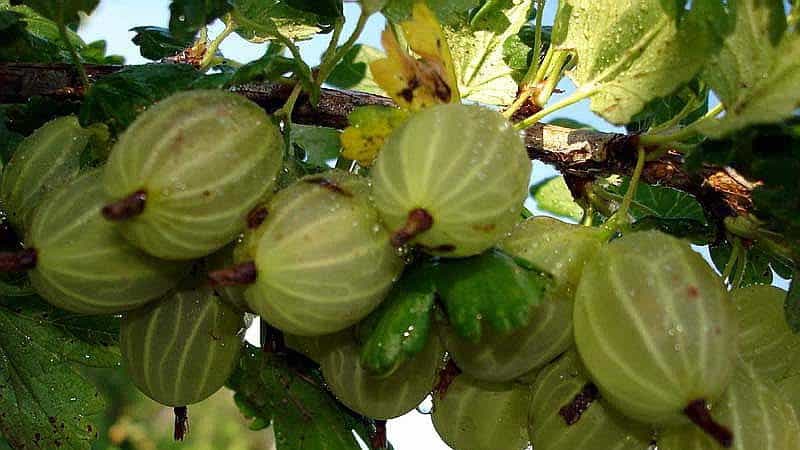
579	154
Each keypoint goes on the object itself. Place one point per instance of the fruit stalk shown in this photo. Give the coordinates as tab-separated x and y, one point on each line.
20	261
126	208
698	413
238	275
181	422
419	221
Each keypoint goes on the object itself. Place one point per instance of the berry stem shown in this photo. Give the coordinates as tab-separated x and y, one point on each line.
418	222
572	412
19	261
238	275
379	439
181	423
126	208
698	413
446	376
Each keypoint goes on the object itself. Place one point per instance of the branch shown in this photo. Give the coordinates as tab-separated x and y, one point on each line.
579	154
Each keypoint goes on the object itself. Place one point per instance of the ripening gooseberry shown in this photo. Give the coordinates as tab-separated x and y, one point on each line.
381	397
655	328
80	263
758	417
43	162
567	413
476	415
186	173
452	180
181	349
320	261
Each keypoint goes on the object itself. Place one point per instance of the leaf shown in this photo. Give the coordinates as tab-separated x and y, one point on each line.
553	195
372	6
570	123
757	71
269	67
324	8
491	288
481	57
447	11
751	269
792	305
402	324
33	38
319	144
118	98
186	17
633	51
95	53
661	202
272	389
417	83
261	21
687	105
369	128
60	11
353	72
44	401
157	42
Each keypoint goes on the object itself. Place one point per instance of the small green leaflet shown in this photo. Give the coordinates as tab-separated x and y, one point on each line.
353	72
60	11
188	16
273	390
319	144
553	195
323	8
156	42
269	67
259	21
448	12
792	306
751	268
686	106
661	202
633	51
491	288
401	326
479	52
44	401
757	72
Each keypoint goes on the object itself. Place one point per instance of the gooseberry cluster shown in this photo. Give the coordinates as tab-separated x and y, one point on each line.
183	230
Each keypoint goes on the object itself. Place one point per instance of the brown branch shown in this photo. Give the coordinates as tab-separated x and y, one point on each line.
580	154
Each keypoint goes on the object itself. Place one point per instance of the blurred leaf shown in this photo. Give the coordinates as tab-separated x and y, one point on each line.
553	195
95	53
118	98
188	16
269	67
689	104
31	37
479	51
259	21
44	401
369	128
402	324
650	48
697	232
491	288
757	71
157	42
570	123
324	8
60	11
272	389
750	269
320	144
372	6
353	71
793	304
447	11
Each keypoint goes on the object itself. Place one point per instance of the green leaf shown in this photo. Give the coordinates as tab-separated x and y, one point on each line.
259	21
687	105
320	144
634	51
570	123
448	12
661	202
353	72
751	269
323	8
188	16
372	6
44	401
269	67
479	52
157	42
95	53
33	38
792	305
118	98
60	11
273	389
491	288
757	71
400	328
553	195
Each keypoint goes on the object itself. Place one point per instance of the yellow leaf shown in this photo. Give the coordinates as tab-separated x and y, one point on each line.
369	128
417	83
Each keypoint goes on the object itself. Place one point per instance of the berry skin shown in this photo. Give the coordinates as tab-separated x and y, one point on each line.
474	415
43	162
655	327
565	415
452	180
181	349
322	260
186	173
82	264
